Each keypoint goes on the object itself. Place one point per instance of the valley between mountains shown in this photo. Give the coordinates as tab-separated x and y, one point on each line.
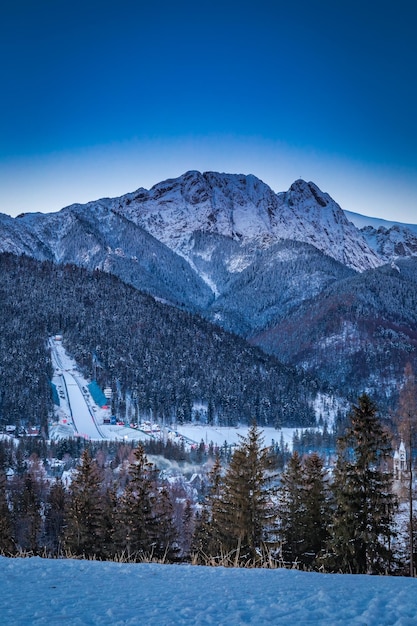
211	288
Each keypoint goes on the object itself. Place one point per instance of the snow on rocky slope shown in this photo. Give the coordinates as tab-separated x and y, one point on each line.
96	237
235	206
315	218
390	240
246	210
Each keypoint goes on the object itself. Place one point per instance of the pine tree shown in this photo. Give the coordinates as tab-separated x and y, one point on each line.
135	530
27	514
187	529
84	534
291	510
361	529
316	508
165	539
110	508
55	508
244	514
6	538
206	539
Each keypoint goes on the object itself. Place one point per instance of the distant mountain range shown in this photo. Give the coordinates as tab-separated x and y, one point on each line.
322	289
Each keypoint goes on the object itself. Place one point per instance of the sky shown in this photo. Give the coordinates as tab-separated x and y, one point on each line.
101	97
87	593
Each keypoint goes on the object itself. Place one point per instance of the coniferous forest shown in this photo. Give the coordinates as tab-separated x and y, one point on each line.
328	506
112	502
167	358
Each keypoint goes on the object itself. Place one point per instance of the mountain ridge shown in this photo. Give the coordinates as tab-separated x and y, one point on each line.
262	265
238	206
246	209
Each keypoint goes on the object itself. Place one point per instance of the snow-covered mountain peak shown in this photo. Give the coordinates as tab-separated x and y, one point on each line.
194	188
307	191
237	206
245	209
232	205
308	201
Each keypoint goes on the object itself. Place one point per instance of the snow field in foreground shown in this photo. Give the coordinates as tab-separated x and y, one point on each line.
37	591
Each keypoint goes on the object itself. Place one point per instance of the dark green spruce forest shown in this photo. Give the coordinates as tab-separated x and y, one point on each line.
166	357
117	505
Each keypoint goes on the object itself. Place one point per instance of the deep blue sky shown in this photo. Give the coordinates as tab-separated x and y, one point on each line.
98	98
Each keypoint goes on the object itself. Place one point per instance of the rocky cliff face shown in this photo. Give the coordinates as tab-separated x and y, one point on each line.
238	207
391	240
317	219
246	210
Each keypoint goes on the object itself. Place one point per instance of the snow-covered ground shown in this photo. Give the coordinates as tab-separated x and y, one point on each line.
79	415
219	434
36	591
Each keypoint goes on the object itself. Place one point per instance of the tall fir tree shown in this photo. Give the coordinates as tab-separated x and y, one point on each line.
55	508
362	526
110	509
304	509
84	532
135	527
27	518
316	499
291	510
244	514
165	537
187	528
206	539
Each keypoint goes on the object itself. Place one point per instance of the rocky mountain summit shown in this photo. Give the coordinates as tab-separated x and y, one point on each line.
246	210
328	291
239	207
390	240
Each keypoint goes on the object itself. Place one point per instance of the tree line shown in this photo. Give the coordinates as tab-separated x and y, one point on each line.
344	523
307	516
370	320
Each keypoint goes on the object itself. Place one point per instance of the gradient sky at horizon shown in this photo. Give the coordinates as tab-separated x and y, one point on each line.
99	98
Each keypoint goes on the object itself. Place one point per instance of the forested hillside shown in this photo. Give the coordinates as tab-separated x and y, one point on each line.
288	272
273	285
165	358
359	333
